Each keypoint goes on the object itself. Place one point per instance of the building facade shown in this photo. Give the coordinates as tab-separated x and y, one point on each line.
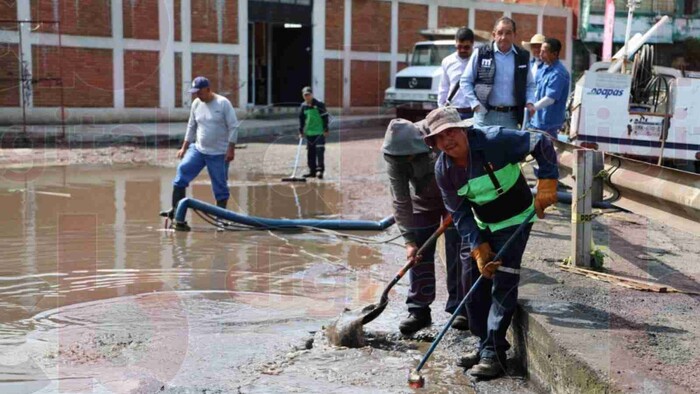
676	42
129	57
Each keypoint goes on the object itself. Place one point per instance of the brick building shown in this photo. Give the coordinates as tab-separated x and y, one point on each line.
128	57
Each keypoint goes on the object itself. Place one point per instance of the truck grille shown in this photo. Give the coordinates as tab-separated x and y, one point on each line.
413	83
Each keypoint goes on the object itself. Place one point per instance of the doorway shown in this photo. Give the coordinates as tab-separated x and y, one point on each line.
279	63
291	59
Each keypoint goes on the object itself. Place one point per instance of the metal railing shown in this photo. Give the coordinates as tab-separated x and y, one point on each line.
660	193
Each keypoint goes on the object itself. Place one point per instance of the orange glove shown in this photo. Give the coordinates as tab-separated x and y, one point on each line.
546	195
483	256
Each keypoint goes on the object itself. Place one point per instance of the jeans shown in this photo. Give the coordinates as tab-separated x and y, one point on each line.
509	120
491	306
315	149
193	163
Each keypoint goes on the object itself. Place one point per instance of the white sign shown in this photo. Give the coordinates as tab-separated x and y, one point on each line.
646	126
604	105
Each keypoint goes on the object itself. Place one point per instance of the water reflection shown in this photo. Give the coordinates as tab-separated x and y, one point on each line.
75	235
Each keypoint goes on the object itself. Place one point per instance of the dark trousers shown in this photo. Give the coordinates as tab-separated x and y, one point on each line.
456	273
422	276
491	306
315	149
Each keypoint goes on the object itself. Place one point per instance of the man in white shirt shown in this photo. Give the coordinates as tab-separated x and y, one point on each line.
452	69
210	141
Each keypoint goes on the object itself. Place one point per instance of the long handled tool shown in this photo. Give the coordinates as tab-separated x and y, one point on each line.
293	178
384	300
415	379
347	329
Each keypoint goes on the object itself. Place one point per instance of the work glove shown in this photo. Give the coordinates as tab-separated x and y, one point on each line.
483	256
546	195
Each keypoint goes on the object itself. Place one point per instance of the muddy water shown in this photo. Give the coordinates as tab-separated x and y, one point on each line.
95	294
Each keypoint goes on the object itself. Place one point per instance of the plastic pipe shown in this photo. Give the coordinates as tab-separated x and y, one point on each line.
615	67
329	224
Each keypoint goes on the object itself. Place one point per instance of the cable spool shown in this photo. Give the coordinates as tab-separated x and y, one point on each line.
642	75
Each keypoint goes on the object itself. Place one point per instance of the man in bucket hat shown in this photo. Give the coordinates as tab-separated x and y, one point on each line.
411	165
483	189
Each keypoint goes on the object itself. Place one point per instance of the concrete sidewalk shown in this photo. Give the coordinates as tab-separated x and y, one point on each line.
138	133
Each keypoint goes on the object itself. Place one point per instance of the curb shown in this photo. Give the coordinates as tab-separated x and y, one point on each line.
15	138
550	365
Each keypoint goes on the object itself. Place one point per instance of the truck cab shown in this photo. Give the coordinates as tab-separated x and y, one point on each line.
415	88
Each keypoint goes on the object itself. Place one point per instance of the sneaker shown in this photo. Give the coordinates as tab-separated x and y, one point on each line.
460	323
487	368
415	321
470	360
309	175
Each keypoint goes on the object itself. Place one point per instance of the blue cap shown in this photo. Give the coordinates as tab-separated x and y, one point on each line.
199	83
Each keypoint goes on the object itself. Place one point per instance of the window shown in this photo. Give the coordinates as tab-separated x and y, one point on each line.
430	55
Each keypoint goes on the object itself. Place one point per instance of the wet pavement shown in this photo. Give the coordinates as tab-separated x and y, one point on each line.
97	297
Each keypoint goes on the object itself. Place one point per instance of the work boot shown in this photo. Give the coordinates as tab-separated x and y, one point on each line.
179	193
488	368
222	204
417	319
470	360
460	323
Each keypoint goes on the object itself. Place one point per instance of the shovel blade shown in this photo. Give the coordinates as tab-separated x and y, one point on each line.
374	312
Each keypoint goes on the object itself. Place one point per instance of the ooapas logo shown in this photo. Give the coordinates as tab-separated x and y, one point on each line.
605	92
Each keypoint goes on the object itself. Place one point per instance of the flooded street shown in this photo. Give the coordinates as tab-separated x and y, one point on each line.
97	297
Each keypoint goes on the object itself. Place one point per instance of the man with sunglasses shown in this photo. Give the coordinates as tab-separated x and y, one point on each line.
452	69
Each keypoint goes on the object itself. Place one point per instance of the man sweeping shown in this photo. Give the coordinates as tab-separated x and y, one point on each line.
313	124
483	189
210	141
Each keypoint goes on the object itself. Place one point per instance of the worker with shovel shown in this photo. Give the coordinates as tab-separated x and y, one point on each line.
410	165
483	189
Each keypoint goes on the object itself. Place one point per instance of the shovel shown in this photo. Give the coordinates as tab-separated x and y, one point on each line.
347	330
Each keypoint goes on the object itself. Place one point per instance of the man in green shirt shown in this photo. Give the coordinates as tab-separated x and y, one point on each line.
313	124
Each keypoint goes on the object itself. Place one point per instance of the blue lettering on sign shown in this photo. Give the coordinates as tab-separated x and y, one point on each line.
606	92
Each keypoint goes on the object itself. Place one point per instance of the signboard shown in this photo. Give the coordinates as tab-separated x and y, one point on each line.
604	105
647	127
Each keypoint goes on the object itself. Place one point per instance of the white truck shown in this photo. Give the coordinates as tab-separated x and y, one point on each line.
414	91
649	114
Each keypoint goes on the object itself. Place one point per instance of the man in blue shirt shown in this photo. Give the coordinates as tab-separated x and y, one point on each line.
552	82
497	81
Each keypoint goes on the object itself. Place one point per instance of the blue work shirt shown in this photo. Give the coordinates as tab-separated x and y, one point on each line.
552	81
500	146
503	92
